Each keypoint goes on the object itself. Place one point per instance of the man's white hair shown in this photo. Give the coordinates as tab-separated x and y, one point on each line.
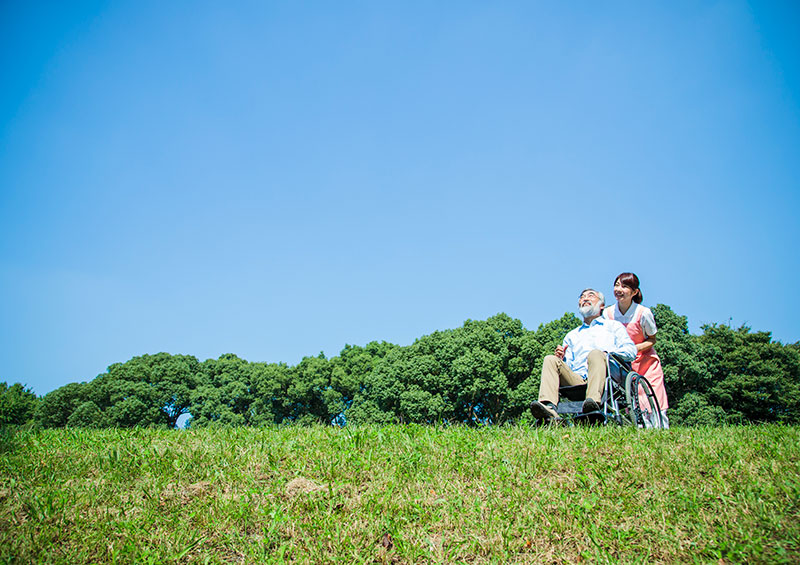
597	292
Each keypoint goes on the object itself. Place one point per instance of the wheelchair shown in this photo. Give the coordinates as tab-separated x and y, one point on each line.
628	399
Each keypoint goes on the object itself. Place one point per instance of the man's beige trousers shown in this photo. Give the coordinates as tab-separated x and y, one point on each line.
555	373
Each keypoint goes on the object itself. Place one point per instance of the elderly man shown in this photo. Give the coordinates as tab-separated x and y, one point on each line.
581	357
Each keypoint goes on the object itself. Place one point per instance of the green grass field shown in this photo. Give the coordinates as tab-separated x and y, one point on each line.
401	494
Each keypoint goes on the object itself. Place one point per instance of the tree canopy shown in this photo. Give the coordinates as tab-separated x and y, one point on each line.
17	404
484	372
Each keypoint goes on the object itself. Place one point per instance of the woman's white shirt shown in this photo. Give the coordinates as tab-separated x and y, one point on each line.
648	321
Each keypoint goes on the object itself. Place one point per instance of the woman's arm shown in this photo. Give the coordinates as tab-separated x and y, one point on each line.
648	323
646	344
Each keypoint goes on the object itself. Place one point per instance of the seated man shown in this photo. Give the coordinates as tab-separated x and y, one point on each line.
581	359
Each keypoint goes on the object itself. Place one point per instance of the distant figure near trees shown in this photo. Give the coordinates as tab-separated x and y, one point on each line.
581	358
641	327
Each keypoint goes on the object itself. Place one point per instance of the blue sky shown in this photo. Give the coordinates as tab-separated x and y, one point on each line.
276	179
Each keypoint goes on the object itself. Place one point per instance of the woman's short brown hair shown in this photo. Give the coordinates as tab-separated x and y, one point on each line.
632	282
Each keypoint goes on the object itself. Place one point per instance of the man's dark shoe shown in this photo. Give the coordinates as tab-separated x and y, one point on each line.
542	411
589	405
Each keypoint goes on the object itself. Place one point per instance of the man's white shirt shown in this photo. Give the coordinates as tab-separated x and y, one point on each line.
603	334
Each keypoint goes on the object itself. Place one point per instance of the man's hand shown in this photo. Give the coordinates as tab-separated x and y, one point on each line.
560	351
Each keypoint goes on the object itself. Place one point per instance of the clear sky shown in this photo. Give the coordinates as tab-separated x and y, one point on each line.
276	179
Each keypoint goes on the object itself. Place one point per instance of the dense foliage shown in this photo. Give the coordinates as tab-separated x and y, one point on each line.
483	372
17	404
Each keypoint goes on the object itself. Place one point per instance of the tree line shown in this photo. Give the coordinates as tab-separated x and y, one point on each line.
484	372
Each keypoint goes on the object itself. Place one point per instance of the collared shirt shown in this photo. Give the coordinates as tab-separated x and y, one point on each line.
603	334
647	321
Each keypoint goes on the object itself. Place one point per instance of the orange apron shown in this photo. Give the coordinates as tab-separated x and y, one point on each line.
647	362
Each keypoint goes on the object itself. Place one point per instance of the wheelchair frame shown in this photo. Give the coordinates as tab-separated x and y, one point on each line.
628	399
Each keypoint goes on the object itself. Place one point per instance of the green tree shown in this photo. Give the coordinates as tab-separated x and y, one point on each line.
468	374
351	368
753	378
149	390
268	385
378	399
88	415
223	396
309	396
551	334
694	410
56	407
17	404
685	361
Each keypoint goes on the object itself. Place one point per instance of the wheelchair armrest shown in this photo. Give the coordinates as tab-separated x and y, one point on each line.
623	364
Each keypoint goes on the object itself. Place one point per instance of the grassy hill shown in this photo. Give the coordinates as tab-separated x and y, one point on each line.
401	494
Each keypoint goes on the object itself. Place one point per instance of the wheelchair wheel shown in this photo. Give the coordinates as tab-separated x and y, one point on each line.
643	410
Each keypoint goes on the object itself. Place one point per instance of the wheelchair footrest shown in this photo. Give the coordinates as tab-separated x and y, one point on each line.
570	407
591	418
